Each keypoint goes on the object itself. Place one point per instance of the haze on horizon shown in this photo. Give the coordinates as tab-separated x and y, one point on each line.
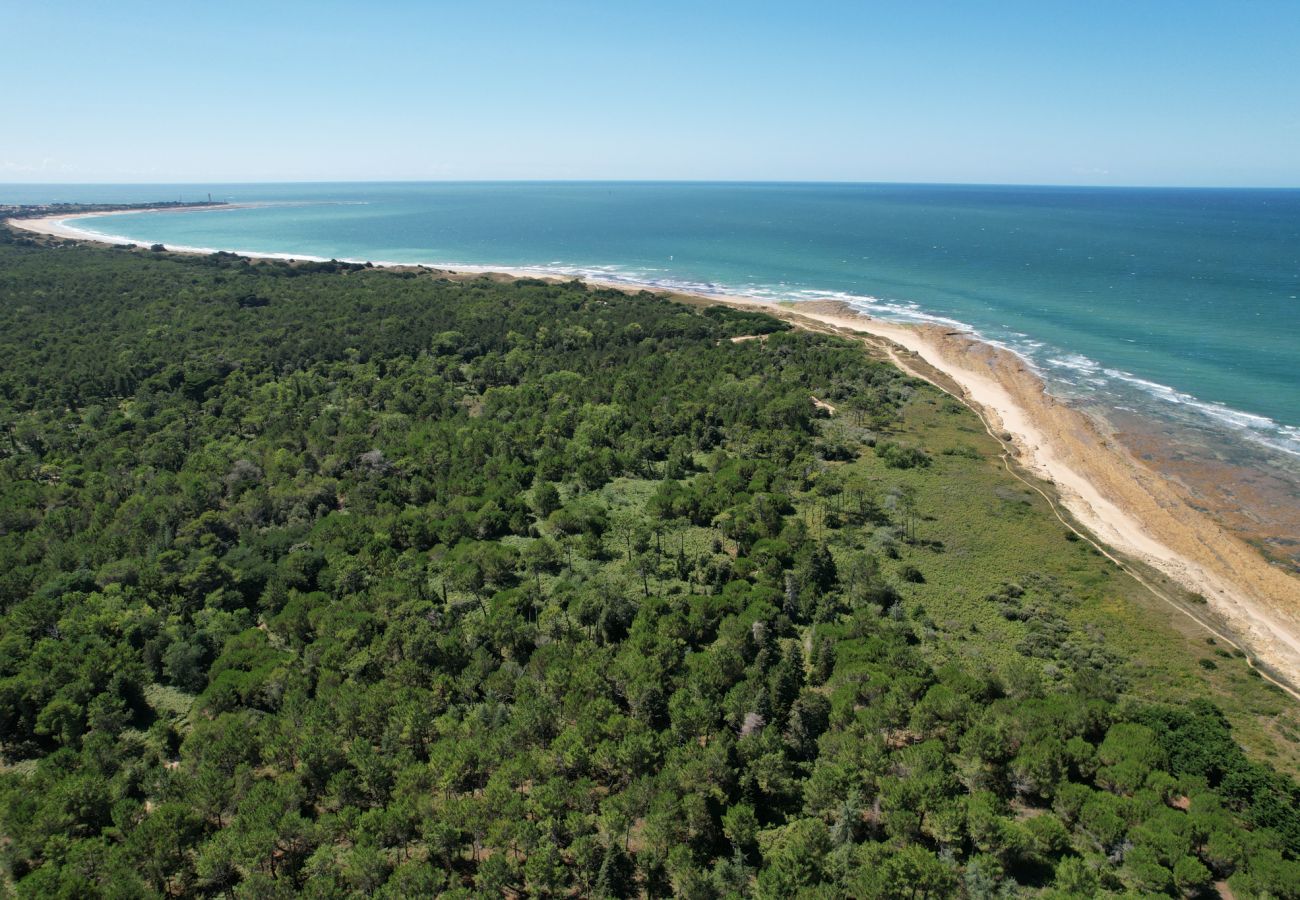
1050	93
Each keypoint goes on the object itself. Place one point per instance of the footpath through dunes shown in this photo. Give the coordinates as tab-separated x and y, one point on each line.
1124	503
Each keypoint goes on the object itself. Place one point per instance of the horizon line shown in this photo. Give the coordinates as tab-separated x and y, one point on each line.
733	181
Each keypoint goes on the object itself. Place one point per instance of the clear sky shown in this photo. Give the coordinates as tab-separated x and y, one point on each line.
1023	91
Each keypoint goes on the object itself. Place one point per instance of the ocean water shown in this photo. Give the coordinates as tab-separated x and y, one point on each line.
1178	304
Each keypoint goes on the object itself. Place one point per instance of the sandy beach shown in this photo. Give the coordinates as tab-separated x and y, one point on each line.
1124	503
57	225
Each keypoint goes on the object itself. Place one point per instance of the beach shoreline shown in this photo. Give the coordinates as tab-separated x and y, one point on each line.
1126	504
1119	500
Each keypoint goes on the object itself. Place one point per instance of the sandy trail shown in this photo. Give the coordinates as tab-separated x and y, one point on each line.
1121	501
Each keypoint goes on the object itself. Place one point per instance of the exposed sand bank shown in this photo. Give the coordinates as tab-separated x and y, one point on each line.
1124	503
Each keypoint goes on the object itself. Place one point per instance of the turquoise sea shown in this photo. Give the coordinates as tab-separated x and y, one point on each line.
1179	304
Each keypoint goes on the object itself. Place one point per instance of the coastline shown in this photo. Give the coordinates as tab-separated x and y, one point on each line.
1121	501
1126	504
56	225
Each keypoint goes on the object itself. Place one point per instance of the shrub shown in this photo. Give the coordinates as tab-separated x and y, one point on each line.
897	456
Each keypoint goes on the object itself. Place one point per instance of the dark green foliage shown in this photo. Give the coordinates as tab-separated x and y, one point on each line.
363	583
899	457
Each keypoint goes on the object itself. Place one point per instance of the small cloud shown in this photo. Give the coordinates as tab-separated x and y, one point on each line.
47	164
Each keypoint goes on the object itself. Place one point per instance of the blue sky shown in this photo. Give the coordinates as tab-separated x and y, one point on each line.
1137	92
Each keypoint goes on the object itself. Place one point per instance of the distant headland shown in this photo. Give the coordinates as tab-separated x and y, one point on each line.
41	210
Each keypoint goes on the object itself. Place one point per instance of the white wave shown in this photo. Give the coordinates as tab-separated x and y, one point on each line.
1075	361
1260	429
